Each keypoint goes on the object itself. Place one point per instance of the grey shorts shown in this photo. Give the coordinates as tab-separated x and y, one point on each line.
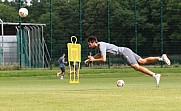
130	57
62	68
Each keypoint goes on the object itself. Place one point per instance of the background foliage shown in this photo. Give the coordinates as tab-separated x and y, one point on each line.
66	22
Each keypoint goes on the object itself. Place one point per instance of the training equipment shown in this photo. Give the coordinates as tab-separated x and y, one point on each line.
120	83
23	12
74	57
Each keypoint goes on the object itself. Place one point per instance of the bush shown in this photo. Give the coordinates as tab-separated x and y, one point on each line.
9	67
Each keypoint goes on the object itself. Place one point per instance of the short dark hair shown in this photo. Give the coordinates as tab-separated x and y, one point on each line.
92	39
63	54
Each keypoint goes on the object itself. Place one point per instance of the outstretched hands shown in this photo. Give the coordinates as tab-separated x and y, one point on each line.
90	58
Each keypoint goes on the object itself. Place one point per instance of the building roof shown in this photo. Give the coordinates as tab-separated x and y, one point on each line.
10	28
16	24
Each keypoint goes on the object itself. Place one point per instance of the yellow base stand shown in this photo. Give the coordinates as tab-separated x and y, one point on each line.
74	56
73	81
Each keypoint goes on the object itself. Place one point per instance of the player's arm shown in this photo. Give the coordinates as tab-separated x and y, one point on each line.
88	60
97	58
64	61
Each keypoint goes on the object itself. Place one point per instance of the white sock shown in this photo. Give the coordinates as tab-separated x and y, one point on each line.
154	75
160	58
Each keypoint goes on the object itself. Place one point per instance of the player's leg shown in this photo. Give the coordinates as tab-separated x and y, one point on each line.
76	68
58	73
147	71
149	60
131	58
63	72
142	69
70	71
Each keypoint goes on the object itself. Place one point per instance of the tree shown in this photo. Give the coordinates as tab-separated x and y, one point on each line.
95	18
122	23
173	26
8	13
66	22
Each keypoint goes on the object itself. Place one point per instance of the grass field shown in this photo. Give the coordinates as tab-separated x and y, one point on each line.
40	90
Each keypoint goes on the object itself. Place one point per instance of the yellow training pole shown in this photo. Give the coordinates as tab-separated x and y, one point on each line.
74	56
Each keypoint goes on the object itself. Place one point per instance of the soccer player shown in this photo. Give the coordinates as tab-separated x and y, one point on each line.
62	63
131	58
76	69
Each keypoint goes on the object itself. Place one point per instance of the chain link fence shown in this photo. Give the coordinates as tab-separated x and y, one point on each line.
143	26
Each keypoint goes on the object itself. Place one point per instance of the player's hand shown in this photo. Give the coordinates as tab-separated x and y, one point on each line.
86	61
91	58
